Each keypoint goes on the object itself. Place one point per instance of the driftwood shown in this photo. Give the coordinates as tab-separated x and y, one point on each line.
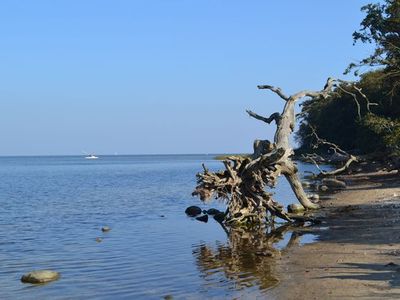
349	159
244	181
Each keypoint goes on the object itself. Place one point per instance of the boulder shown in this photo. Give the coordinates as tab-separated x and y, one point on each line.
295	208
193	211
40	276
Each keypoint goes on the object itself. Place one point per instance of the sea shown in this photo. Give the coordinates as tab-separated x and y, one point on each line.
52	209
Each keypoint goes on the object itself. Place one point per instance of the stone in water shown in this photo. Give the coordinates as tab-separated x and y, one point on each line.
105	228
193	211
40	276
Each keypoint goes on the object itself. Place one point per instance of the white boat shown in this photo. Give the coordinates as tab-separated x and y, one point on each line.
91	156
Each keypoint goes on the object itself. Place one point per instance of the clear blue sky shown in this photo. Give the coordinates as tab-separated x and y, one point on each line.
164	76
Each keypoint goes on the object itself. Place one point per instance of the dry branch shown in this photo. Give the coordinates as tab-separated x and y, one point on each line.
319	141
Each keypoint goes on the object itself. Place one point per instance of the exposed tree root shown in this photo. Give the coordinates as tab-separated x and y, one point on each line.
244	181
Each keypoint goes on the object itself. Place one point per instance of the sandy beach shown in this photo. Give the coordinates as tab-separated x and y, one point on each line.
357	254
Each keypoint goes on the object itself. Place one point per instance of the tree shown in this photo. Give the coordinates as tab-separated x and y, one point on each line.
361	126
381	26
243	182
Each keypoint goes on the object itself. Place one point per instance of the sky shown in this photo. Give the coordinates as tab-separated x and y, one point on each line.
161	76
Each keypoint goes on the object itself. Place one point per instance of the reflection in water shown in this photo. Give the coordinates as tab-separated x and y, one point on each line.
248	259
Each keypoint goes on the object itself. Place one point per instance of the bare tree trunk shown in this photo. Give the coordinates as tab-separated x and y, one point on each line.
242	184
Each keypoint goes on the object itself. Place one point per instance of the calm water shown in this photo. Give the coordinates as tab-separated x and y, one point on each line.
52	210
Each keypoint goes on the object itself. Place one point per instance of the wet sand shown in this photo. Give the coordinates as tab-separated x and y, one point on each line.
358	254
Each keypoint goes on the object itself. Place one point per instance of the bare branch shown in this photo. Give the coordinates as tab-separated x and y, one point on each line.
276	90
274	117
355	100
324	93
320	141
359	90
336	149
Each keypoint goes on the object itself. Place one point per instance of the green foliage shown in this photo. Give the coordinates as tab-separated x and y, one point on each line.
336	118
386	129
381	26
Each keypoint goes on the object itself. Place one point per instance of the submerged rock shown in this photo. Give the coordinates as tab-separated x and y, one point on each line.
203	218
213	211
105	228
40	276
295	208
193	211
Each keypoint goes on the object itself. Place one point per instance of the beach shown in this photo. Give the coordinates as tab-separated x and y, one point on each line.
357	251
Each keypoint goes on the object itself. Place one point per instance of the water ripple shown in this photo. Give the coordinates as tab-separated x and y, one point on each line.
52	210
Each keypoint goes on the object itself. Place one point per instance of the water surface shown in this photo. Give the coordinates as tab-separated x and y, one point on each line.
52	210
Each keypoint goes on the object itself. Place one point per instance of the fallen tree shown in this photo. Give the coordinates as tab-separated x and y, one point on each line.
244	181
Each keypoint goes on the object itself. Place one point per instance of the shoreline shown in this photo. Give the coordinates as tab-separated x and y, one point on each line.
358	252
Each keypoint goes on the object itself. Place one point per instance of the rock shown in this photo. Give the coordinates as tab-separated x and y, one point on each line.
334	183
213	211
219	217
193	211
323	188
203	218
40	276
391	264
314	197
105	228
295	208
